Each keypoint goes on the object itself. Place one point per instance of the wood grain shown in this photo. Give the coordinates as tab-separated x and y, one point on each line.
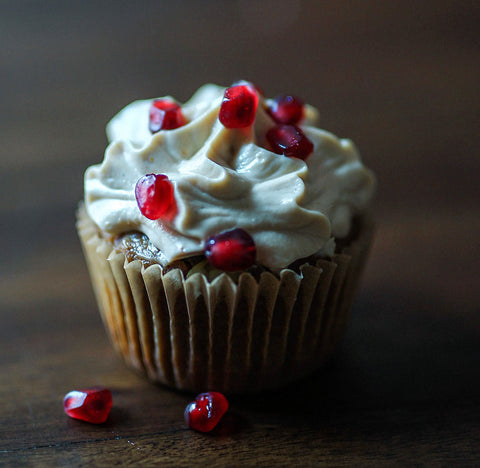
400	78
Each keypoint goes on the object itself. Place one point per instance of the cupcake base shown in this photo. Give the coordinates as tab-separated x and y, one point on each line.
230	336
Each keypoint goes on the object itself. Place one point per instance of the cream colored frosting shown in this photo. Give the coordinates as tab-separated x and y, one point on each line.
227	178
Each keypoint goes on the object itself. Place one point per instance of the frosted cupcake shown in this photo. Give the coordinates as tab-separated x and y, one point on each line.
225	238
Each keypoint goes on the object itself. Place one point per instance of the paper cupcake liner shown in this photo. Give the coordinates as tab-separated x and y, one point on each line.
235	337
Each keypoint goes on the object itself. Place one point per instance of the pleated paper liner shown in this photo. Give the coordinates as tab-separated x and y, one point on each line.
231	336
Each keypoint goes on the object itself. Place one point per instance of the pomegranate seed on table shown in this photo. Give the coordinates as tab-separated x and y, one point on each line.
92	405
239	106
155	197
205	412
290	141
165	114
231	250
286	109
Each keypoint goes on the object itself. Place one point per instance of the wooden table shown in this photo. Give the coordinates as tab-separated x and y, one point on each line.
401	78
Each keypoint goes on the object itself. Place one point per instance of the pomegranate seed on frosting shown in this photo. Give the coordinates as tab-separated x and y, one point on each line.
155	197
290	141
239	106
257	88
286	109
231	250
165	114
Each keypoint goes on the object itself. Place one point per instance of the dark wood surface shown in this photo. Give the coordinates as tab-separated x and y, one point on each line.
400	78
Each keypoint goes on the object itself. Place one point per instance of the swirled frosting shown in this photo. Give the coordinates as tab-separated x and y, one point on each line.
228	178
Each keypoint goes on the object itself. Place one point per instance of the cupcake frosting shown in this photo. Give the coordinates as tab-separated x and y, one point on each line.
227	178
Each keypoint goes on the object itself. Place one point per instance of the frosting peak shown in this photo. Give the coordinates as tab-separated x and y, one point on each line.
228	178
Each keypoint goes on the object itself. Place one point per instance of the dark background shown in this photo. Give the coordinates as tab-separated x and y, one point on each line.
401	78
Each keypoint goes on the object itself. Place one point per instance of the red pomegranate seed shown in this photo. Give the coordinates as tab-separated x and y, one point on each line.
286	109
205	412
257	88
92	405
165	115
231	250
239	106
290	141
154	194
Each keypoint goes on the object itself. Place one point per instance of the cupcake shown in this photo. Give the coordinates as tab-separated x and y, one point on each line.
225	238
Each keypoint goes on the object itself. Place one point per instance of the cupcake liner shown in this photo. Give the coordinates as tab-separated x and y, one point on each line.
235	337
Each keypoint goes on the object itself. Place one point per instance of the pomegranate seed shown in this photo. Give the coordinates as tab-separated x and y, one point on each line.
239	106
257	88
286	109
290	141
165	115
154	194
205	412
231	250
92	405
